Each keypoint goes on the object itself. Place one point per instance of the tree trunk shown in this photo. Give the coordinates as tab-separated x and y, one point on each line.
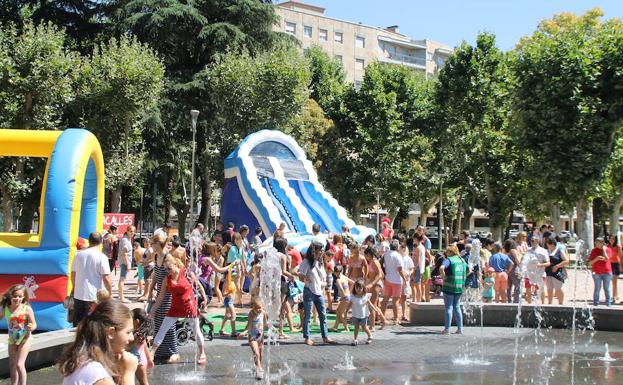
571	227
554	216
206	193
496	232
459	212
357	212
204	175
167	197
29	208
115	200
616	212
585	222
182	214
7	211
425	207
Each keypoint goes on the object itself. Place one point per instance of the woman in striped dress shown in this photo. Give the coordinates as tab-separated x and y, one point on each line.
167	350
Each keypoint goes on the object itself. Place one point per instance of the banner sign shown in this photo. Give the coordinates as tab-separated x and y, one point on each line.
122	221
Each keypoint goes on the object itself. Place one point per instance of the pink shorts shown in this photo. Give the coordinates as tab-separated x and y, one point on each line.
393	290
501	281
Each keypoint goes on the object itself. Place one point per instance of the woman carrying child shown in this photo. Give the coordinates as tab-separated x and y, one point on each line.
21	323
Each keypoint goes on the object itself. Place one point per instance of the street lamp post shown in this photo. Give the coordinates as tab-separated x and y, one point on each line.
440	228
193	118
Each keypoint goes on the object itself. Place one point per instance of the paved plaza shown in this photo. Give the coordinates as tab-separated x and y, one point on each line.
405	355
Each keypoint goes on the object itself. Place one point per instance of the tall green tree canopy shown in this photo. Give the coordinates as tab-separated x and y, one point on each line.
472	97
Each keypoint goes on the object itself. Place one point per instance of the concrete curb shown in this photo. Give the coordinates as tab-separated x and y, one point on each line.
555	316
45	350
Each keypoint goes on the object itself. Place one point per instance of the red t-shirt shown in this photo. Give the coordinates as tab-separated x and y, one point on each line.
613	253
296	257
600	267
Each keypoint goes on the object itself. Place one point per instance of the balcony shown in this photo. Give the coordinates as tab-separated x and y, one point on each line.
412	61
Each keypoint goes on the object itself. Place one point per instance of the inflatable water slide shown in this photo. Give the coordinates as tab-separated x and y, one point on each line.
269	181
71	205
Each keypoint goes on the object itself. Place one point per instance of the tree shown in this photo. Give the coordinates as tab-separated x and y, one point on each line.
36	78
389	151
472	97
566	113
190	36
119	84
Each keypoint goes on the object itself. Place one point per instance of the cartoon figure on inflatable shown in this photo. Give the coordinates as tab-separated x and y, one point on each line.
71	205
269	181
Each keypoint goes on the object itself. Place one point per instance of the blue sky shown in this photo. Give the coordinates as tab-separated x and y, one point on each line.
451	21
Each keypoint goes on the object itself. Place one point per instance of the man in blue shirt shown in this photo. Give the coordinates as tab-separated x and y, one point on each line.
502	265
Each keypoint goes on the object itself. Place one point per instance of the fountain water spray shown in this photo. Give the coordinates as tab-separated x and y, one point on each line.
270	295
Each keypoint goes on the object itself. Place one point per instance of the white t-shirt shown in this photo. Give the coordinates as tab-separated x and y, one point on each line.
531	258
360	305
90	266
407	264
315	278
87	374
393	261
125	247
420	254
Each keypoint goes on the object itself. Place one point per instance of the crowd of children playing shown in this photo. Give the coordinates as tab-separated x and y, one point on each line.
350	280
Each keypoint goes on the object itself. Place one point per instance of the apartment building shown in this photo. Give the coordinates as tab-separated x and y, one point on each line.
356	45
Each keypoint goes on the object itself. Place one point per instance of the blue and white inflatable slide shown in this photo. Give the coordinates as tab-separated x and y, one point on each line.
269	180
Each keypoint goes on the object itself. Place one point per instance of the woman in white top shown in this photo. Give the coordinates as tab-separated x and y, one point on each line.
97	356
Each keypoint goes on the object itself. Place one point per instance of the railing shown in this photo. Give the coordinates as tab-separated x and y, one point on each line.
408	59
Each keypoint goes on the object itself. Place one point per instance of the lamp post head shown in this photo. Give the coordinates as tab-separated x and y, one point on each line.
193	116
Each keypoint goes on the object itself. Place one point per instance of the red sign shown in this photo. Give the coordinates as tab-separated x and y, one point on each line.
122	221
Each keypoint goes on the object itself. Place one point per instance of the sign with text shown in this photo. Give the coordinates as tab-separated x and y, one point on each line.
122	221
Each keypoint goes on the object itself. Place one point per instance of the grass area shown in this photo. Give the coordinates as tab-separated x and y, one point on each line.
241	323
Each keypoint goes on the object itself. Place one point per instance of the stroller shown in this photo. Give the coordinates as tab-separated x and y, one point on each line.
184	331
436	275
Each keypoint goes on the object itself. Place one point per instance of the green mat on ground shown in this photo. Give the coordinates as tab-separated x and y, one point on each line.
241	324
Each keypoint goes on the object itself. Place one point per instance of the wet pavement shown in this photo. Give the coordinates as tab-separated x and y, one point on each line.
406	355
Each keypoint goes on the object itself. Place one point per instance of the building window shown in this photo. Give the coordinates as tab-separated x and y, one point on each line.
360	42
322	35
429	56
307	31
359	64
357	84
338	37
440	61
338	58
291	28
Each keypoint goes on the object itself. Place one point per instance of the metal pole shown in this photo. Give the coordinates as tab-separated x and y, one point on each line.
193	114
440	219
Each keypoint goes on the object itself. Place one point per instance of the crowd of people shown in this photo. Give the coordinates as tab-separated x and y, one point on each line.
337	275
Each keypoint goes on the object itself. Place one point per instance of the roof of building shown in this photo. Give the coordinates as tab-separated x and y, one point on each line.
295	5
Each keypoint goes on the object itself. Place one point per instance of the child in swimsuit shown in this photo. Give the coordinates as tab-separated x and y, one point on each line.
255	333
21	322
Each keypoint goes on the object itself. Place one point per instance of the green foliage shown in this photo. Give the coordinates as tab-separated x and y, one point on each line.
328	81
36	76
250	93
565	113
390	151
119	84
308	127
473	142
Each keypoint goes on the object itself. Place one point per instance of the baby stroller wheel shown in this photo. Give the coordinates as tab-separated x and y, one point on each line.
183	336
207	328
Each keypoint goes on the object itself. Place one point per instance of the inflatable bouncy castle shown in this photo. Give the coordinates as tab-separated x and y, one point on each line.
71	205
269	180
